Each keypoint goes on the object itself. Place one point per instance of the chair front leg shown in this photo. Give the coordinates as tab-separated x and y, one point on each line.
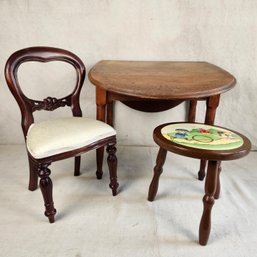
46	187
208	201
112	164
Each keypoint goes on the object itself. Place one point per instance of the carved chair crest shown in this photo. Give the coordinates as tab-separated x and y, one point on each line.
43	54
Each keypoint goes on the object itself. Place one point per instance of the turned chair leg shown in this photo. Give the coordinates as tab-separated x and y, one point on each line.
160	160
208	201
46	187
112	164
77	166
99	162
33	176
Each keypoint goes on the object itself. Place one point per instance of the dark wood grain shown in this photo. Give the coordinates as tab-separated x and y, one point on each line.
212	182
40	167
154	86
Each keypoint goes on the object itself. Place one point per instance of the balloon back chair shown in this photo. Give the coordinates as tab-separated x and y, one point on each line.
61	138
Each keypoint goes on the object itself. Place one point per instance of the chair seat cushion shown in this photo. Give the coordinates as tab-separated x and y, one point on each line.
202	136
56	136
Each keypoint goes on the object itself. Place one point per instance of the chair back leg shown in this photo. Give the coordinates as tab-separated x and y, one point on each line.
33	177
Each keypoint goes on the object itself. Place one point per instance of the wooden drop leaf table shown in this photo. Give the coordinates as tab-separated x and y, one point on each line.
153	86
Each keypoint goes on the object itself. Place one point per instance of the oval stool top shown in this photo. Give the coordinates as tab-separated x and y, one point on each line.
202	141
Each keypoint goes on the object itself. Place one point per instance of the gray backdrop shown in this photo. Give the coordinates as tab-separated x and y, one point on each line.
221	32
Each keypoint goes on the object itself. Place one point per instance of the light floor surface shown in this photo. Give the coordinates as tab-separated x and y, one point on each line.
92	223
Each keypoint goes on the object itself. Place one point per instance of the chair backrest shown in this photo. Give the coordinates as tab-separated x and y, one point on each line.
27	105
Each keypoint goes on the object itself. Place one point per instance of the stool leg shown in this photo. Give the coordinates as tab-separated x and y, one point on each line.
77	166
217	193
208	201
201	172
160	160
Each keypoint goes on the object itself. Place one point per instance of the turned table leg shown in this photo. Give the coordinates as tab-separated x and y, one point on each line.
101	96
160	160
208	201
191	118
192	111
211	105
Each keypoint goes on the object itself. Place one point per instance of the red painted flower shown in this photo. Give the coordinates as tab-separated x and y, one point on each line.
201	130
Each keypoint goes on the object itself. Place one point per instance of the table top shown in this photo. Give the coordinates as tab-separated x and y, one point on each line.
161	79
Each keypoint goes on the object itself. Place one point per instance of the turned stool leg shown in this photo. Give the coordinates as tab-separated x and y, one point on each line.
77	166
217	193
201	172
160	160
208	201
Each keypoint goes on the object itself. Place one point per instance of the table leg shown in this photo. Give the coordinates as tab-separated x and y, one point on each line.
192	111
191	118
101	96
110	110
211	105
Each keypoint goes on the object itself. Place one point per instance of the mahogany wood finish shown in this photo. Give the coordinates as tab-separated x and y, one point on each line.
39	167
153	86
212	182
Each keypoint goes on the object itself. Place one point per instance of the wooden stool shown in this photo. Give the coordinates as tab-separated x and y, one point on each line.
200	141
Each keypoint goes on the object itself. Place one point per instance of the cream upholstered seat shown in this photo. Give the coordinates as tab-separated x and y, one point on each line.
61	138
52	137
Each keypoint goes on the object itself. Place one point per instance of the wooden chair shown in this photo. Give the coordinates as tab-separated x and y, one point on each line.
61	138
211	143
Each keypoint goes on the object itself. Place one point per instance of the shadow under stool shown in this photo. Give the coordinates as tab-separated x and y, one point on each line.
196	140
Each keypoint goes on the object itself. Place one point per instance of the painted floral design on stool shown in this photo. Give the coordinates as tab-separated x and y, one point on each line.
202	136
